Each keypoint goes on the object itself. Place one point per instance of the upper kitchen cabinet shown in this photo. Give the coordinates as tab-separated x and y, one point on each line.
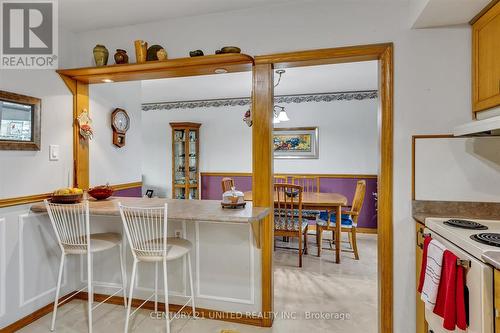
486	60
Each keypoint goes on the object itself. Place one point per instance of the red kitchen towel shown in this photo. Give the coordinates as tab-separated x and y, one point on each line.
450	302
427	240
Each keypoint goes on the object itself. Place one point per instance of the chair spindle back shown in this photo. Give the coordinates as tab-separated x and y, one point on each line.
280	179
359	197
71	223
227	184
288	206
308	183
146	230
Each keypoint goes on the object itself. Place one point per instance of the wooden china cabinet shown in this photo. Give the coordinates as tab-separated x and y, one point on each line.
185	160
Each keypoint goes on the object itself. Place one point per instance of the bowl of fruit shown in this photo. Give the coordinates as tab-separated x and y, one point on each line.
101	192
67	195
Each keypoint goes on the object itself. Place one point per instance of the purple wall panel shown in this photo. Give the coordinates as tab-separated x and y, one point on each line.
211	190
130	192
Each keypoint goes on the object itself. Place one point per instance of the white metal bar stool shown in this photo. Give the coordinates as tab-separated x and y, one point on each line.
71	223
146	230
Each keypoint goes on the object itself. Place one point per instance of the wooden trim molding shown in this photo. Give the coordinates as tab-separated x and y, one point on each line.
243	101
32	317
320	175
483	11
373	231
24	200
126	186
8	202
414	139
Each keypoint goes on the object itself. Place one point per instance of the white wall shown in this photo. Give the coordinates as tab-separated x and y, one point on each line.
458	169
347	142
31	172
225	143
108	163
347	137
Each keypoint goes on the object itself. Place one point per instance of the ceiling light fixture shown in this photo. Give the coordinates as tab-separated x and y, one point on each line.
279	111
280	114
220	71
107	80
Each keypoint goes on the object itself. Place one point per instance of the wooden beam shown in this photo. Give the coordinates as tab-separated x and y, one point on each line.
70	83
262	180
80	145
385	194
384	54
323	56
181	67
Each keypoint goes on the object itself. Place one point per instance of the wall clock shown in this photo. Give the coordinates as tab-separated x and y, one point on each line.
120	122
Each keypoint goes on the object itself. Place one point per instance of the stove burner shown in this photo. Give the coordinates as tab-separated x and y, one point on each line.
465	224
487	238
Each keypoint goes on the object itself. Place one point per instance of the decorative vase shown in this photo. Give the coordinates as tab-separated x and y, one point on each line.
101	55
153	52
196	53
162	54
121	57
141	51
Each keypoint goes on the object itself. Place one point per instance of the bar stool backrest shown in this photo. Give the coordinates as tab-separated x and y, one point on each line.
146	230
70	223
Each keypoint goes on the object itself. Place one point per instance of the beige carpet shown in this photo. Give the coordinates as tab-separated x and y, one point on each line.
320	297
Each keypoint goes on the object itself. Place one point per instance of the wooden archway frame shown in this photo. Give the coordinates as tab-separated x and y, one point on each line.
78	80
263	159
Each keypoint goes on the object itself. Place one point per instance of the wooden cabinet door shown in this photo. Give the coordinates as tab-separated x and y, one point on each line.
486	60
421	323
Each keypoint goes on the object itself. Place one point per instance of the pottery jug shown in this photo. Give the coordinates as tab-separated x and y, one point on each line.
101	55
121	57
141	50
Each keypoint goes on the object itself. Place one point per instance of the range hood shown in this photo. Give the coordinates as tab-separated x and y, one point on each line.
489	126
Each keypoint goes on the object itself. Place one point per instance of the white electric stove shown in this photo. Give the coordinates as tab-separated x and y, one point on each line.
469	239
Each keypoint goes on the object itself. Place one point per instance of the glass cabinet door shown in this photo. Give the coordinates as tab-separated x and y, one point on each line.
179	152
180	193
185	160
193	157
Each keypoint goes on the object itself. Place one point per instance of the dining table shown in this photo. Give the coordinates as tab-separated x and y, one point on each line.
330	202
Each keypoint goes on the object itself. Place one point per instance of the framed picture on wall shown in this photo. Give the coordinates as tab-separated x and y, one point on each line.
296	142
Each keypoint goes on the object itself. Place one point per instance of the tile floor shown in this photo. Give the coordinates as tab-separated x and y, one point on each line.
345	293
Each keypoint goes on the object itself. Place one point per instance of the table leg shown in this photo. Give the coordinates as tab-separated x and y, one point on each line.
338	226
319	238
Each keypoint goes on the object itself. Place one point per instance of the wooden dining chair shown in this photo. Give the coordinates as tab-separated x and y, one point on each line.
349	219
308	183
227	184
288	215
280	179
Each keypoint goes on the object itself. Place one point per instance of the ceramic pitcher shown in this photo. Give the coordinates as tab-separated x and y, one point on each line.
141	50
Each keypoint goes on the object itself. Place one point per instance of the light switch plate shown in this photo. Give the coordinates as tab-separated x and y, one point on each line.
54	153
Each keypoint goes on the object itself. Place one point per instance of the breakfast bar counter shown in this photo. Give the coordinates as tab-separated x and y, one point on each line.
187	210
226	253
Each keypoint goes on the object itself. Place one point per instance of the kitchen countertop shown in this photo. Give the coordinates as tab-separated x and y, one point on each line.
421	209
187	210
